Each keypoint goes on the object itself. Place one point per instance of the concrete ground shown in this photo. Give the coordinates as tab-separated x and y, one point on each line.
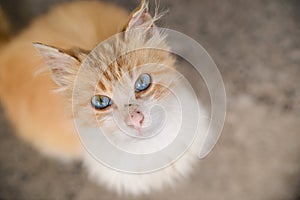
256	45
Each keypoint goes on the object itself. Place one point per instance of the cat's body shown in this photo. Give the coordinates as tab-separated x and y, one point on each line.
40	116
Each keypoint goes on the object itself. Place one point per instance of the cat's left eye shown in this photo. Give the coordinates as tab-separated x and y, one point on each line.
100	102
142	83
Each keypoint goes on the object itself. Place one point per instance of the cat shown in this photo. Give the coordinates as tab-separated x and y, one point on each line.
42	106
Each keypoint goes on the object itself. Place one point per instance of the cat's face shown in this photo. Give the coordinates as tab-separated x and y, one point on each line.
129	97
126	92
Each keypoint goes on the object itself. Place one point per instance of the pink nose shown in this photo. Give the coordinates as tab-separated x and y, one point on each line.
136	119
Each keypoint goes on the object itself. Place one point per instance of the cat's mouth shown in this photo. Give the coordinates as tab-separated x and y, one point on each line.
135	120
139	124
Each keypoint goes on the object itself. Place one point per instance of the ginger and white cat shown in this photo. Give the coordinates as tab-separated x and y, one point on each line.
124	89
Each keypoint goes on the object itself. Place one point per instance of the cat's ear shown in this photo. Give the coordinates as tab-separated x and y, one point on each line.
63	64
140	18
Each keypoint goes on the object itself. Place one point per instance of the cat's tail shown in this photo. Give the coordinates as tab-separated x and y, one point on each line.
5	29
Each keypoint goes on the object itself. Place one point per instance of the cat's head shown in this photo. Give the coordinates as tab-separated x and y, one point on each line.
120	80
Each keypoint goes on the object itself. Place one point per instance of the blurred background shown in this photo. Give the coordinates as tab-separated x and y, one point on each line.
256	45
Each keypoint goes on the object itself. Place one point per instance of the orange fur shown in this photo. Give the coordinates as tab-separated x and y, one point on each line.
38	114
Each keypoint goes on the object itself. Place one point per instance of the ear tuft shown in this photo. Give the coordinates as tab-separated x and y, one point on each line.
141	18
62	65
142	25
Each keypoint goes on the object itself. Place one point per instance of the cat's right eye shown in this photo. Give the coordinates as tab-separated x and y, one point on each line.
100	102
142	83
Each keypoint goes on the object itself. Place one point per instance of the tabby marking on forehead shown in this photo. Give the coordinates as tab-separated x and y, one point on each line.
129	64
101	86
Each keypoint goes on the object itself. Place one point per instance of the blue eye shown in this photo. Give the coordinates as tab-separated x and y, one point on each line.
142	83
101	102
